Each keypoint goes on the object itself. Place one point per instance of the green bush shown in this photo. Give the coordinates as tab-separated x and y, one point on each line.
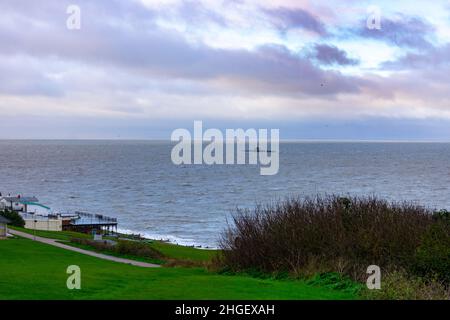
433	255
138	249
123	247
442	215
14	217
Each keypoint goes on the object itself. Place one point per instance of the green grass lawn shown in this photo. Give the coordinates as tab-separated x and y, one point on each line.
115	254
182	252
58	235
31	270
167	249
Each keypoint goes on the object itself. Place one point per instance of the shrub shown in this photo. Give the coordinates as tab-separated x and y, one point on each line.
442	215
331	233
398	285
14	217
124	247
99	245
138	249
433	255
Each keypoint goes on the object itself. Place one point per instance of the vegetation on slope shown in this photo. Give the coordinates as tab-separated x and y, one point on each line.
32	270
310	236
14	218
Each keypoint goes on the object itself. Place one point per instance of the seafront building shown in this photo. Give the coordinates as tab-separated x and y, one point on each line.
17	203
40	217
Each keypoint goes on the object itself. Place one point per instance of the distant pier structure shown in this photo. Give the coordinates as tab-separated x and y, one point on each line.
89	222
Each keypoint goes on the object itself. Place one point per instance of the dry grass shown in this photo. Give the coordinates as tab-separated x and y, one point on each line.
398	285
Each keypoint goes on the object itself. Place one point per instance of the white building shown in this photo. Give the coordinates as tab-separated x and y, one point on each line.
40	217
38	222
18	203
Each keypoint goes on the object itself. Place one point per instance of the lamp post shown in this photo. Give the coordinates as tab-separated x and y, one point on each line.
34	231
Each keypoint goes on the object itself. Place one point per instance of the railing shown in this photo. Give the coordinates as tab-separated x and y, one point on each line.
74	217
95	216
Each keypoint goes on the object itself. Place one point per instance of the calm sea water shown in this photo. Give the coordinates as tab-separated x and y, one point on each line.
136	181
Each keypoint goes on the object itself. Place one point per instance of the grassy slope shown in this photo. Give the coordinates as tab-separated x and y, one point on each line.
58	235
115	254
182	252
169	250
32	270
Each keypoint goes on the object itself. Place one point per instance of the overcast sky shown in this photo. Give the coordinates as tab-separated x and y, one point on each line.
142	68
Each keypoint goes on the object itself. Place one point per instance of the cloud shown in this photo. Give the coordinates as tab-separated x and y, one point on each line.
329	54
403	31
432	57
217	60
196	13
287	18
32	80
159	53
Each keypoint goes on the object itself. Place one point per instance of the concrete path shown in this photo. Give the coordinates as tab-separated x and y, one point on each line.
54	242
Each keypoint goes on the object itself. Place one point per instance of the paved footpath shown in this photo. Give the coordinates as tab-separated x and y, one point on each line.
54	242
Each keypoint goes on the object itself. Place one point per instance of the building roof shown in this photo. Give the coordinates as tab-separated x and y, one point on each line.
4	220
35	204
21	199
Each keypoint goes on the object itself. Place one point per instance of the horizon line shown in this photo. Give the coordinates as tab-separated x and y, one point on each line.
281	140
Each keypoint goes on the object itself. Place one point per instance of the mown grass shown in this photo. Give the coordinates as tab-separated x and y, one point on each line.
169	250
58	235
182	252
113	253
32	270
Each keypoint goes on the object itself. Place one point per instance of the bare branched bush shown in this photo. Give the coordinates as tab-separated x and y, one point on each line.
330	233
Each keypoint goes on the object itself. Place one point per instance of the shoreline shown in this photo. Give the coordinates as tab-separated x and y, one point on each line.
167	239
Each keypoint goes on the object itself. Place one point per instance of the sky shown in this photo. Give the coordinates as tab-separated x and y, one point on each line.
139	69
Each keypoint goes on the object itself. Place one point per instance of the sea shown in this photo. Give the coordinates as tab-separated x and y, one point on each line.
137	182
